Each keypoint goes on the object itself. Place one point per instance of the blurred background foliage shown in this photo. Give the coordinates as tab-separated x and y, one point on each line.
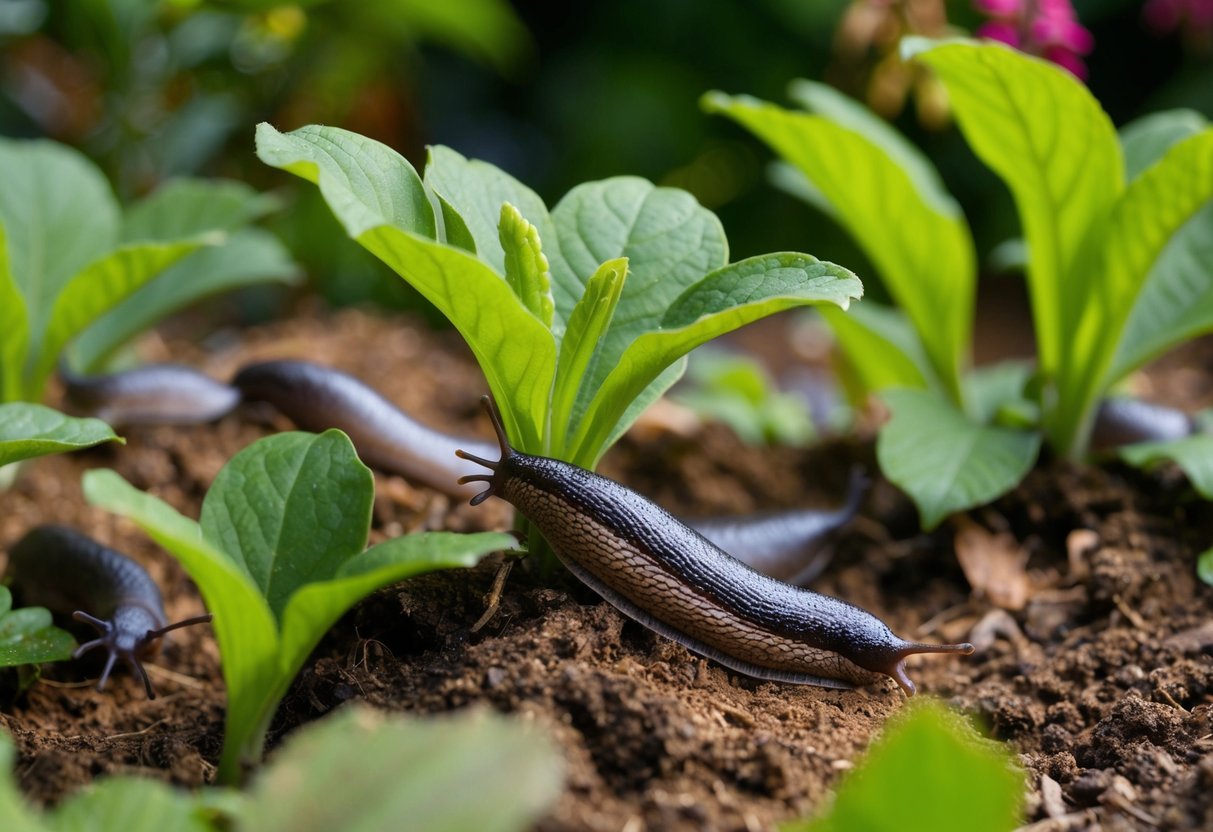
555	95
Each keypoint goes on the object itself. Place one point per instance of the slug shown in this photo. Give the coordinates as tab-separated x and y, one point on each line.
1125	421
157	394
668	577
68	572
784	544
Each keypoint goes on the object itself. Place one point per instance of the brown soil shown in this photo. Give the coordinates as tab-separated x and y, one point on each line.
1102	682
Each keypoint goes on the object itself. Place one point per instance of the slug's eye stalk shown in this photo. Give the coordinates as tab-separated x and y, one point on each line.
120	644
898	669
506	452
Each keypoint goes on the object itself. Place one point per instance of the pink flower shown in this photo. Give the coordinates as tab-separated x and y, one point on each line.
1193	17
1048	28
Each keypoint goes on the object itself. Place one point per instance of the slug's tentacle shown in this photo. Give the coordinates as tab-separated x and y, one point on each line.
121	646
505	448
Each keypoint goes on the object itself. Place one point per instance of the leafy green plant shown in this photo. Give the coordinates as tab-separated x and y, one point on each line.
73	266
1115	275
374	771
929	771
27	635
579	317
737	391
278	555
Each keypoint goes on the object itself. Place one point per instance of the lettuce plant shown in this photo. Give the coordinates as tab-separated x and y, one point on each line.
278	556
1116	271
74	267
579	317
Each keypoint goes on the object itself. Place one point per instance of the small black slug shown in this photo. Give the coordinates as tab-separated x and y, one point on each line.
671	579
1124	421
70	573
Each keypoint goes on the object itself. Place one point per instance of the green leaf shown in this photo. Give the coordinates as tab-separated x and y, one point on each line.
291	509
59	215
132	805
890	202
14	329
476	191
910	781
1193	454
736	390
588	323
881	346
15	814
1043	133
316	606
516	352
472	771
98	288
28	637
1204	566
945	462
249	256
244	624
30	430
188	207
669	240
994	386
526	269
722	301
1147	139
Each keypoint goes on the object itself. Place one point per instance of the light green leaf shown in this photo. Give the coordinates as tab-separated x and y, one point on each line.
30	430
59	215
132	805
249	256
945	462
588	323
315	607
514	349
291	508
98	288
1043	133
526	269
472	771
476	191
881	346
722	301
14	329
244	625
1204	566
365	183
994	386
907	782
15	814
1193	454
1147	139
28	637
188	207
669	239
909	228
654	391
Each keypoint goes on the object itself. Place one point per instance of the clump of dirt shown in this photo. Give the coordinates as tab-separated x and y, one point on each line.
1102	682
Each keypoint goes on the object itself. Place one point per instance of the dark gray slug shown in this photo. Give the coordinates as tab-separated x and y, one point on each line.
70	573
1124	421
671	579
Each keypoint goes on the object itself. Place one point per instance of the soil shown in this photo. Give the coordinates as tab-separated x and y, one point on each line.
1098	674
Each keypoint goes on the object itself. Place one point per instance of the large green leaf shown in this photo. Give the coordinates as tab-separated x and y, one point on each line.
722	301
514	349
474	771
188	207
249	256
908	781
244	625
1044	134
1193	454
30	430
911	230
102	285
27	635
130	804
59	215
1147	139
881	346
14	329
944	461
291	508
317	606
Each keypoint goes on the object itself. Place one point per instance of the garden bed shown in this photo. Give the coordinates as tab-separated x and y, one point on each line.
1102	682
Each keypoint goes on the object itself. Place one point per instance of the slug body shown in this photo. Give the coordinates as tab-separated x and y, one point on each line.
157	394
1125	421
787	545
317	398
671	579
70	573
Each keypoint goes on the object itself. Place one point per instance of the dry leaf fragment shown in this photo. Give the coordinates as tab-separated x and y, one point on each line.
994	564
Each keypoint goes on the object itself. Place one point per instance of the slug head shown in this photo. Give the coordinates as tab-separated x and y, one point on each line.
893	662
122	641
493	465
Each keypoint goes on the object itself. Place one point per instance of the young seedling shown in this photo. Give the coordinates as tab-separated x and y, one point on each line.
278	556
1115	270
27	636
73	267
